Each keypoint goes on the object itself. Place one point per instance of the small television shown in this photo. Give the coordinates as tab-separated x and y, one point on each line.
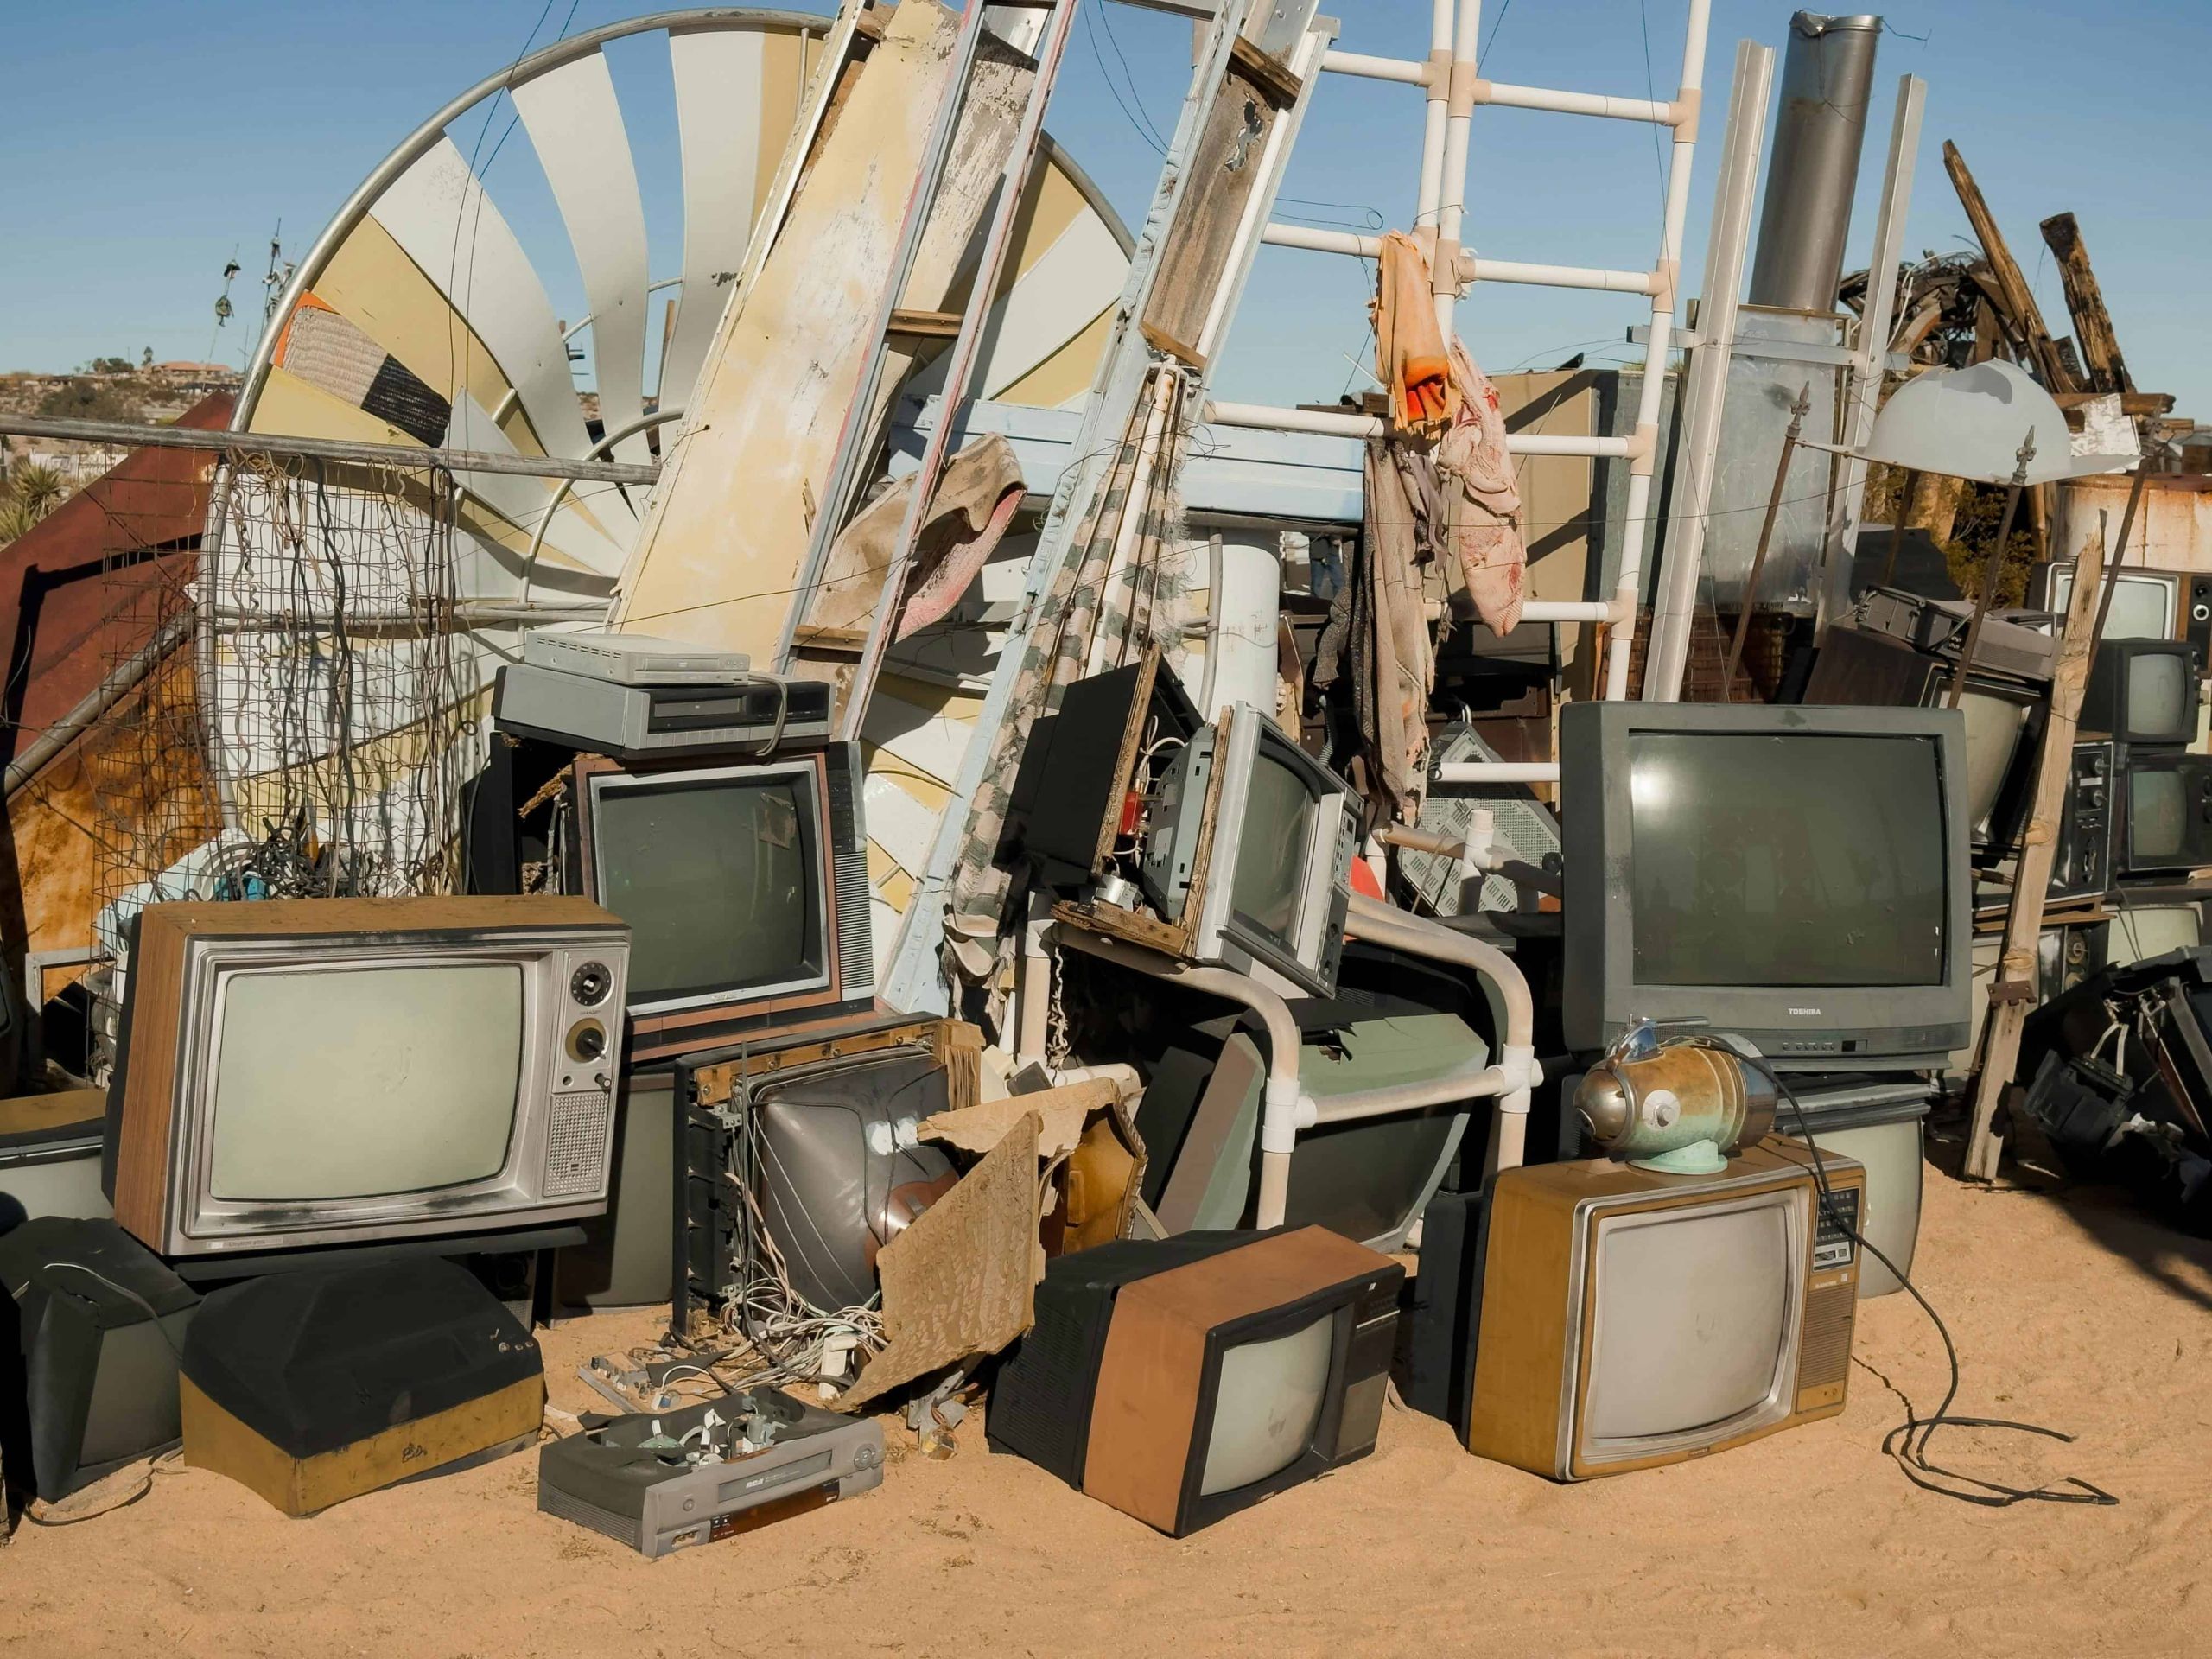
1251	843
2152	921
1797	875
2145	604
1181	1380
316	1072
2165	811
1632	1319
2143	691
745	885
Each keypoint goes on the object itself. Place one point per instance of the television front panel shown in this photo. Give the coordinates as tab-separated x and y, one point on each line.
2165	819
305	1072
2143	691
1797	875
1631	1319
745	888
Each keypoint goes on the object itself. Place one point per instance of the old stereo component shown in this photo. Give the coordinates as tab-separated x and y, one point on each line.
1632	1318
748	711
300	1072
662	1481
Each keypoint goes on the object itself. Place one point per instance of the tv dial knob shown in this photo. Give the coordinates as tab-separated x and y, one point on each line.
590	983
587	1041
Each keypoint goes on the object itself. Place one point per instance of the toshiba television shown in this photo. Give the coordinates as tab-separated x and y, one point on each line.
1181	1380
1250	841
296	1073
1798	875
1631	1319
745	885
2143	691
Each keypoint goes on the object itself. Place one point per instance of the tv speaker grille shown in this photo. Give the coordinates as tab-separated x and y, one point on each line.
575	1148
855	950
1824	1356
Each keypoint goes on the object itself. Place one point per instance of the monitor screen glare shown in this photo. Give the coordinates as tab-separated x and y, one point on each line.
2157	693
1693	1318
409	1086
715	880
1270	871
2142	606
1269	1406
1808	860
2158	810
1994	727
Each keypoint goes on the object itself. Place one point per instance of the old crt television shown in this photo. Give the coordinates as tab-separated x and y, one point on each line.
313	1072
1181	1380
1258	838
1631	1319
2143	691
744	886
1798	875
2166	810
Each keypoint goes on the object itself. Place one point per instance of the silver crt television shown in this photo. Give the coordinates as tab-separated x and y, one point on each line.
1797	875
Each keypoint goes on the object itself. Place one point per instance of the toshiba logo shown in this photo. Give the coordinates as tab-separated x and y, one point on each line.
1806	1014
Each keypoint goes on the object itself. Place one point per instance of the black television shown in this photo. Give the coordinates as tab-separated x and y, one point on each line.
1182	1380
2165	811
2143	691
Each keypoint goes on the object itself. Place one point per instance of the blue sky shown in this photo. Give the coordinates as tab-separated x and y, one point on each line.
146	142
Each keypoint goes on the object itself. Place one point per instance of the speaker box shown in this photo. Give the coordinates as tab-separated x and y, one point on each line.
90	1326
314	1387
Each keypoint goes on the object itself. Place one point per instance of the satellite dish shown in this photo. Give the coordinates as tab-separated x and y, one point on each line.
423	315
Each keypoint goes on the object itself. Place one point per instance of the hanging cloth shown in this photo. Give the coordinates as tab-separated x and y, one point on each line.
1410	358
1481	497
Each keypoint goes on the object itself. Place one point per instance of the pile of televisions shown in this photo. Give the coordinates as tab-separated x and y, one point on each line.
354	1147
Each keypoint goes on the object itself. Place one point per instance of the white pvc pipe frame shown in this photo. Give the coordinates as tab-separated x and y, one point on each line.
1286	1108
1452	87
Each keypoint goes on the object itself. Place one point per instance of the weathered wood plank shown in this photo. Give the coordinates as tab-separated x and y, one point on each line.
2018	301
2085	303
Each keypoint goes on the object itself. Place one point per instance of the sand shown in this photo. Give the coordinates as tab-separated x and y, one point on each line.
2068	1309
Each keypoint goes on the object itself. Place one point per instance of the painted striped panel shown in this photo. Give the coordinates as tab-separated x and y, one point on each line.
718	118
575	125
439	214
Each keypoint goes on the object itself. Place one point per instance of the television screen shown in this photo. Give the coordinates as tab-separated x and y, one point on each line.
1692	1319
1994	726
2141	932
717	878
1800	860
2142	606
411	1084
2158	814
1268	1406
2157	693
1271	856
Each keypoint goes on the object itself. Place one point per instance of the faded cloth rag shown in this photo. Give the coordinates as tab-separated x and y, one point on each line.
1481	499
1410	358
1377	632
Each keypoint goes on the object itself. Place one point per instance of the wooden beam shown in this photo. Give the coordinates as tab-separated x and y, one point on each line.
2085	303
2025	315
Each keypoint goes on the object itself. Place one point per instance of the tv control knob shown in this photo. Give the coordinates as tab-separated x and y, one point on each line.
866	1456
586	1041
590	983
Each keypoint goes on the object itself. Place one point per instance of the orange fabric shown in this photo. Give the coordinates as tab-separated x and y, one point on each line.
1410	356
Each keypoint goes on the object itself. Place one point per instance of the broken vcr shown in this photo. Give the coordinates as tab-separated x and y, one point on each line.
663	1481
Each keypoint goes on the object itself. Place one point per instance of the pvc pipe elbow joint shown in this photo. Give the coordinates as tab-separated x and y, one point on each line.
1285	1111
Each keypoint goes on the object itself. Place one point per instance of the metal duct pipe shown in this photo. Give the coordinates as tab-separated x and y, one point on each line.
1818	130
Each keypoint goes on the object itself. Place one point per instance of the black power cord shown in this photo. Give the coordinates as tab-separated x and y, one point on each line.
1907	1444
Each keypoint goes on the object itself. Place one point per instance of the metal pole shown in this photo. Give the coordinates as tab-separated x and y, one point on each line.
97	702
1797	430
2112	570
1989	570
1898	520
345	451
1827	74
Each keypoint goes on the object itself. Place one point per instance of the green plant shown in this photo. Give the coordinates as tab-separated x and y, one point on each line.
89	400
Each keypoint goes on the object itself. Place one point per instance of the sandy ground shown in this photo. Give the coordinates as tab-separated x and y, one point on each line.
2068	1310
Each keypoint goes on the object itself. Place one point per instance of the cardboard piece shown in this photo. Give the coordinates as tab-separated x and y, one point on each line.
1062	1113
958	1282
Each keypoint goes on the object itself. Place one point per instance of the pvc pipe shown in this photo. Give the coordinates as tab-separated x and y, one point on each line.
1572	610
1468	1083
1406	70
1566	102
1451	207
1434	117
1270	417
1034	999
1705	387
1495	771
1629	588
1472	270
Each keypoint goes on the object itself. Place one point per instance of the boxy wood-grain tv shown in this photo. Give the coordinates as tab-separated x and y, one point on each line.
312	1072
1797	875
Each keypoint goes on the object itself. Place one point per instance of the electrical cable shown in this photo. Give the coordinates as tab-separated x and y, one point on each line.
1907	1444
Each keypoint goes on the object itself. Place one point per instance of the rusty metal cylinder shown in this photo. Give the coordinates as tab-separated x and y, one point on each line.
1828	77
1678	1096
